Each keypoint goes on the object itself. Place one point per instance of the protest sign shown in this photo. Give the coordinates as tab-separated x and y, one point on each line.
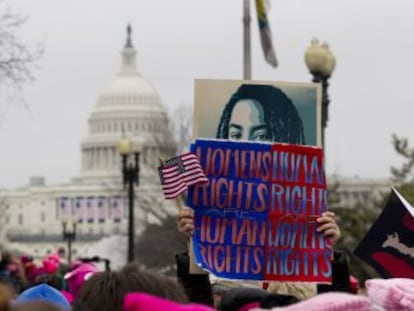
256	219
389	244
290	111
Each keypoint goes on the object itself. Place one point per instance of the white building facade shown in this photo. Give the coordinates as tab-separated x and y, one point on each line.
95	201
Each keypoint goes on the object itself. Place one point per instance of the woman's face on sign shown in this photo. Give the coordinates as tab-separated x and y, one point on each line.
247	121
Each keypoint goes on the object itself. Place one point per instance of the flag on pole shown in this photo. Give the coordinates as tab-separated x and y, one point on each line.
180	172
389	244
265	33
117	208
64	204
80	209
102	208
90	209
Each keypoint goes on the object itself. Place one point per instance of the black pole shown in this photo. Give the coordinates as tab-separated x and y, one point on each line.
69	250
130	177
69	236
319	78
130	219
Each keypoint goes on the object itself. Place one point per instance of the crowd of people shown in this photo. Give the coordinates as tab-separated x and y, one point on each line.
54	285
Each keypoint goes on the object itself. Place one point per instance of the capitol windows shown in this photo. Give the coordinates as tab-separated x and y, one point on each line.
7	219
42	217
20	219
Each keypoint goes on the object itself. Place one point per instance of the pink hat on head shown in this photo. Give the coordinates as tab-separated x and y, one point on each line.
145	302
54	258
391	294
77	277
50	267
331	302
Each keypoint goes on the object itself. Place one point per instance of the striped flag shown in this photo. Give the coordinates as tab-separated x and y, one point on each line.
80	209
265	33
180	172
117	208
90	209
64	206
102	208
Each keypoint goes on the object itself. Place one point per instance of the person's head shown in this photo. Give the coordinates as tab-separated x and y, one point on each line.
7	256
6	295
35	306
52	280
105	291
263	113
77	277
44	293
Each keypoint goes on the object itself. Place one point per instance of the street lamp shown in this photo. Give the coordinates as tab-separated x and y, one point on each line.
69	236
130	174
321	63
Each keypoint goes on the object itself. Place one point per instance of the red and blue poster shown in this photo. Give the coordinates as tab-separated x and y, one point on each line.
256	218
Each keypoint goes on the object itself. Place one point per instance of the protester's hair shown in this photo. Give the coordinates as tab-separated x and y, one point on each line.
283	121
6	256
53	280
105	291
5	297
162	286
34	306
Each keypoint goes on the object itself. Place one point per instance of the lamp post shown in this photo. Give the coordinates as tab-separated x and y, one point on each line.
321	63
69	236
130	176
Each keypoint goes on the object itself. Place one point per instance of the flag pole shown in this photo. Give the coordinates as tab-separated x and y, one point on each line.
247	59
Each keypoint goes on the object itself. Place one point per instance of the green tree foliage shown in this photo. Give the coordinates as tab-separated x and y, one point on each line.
403	177
355	221
157	245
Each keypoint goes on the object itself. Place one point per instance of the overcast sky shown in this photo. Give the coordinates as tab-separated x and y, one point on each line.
180	40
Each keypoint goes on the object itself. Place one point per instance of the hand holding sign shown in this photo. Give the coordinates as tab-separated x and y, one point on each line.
185	221
263	215
329	227
327	224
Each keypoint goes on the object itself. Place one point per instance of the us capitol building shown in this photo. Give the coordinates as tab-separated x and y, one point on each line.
31	220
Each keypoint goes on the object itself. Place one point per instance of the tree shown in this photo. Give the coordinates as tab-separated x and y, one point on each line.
182	121
158	244
17	60
355	221
403	177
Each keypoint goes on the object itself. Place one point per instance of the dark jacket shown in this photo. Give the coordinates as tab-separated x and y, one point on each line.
196	286
199	290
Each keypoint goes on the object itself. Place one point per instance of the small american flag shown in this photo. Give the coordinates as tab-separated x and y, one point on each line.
180	172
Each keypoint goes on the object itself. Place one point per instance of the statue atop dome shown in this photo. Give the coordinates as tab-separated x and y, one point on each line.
128	43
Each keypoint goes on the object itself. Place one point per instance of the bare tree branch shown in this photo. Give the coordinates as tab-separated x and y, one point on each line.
182	126
17	60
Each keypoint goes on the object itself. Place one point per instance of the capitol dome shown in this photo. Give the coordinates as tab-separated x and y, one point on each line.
129	105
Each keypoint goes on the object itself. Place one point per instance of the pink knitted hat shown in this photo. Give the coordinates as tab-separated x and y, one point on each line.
391	294
77	277
331	302
145	302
